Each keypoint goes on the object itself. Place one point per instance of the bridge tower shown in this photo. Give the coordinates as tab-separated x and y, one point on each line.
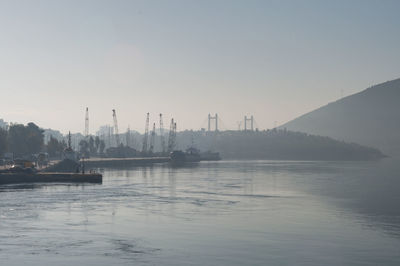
251	120
215	118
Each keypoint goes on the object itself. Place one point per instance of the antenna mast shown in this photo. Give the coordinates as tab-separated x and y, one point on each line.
87	123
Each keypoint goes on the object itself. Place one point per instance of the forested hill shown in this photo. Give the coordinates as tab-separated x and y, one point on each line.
371	118
271	144
276	145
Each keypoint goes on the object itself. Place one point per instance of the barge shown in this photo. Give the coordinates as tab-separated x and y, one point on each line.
17	178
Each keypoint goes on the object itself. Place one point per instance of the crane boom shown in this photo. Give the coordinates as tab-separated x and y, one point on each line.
162	135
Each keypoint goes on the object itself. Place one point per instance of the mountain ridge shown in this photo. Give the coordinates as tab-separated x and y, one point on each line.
370	117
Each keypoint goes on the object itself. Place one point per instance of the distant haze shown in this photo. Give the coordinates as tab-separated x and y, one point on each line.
272	59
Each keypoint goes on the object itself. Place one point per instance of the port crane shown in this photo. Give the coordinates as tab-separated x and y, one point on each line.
152	138
146	134
162	135
172	136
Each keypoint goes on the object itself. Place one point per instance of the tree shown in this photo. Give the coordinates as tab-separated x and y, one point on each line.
25	140
97	143
84	148
34	138
3	141
55	147
102	147
92	147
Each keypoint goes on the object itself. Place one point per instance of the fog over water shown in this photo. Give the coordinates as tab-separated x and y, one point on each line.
220	213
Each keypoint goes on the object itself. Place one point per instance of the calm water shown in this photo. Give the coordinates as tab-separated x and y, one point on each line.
223	213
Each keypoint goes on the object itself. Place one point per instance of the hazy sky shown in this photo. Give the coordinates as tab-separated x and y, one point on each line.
272	59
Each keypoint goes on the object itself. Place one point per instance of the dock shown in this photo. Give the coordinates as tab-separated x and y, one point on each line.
123	162
16	178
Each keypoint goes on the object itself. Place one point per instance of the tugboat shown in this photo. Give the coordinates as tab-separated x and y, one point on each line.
70	161
69	153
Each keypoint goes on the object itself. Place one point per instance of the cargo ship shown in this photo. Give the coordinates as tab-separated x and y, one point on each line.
191	155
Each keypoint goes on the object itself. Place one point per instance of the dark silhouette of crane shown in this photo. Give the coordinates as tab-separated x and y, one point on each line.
116	134
152	139
172	136
162	135
146	134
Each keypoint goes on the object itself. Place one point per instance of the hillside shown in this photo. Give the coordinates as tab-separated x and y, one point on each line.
370	117
276	145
